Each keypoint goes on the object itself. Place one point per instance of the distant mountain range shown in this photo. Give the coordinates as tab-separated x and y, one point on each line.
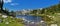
49	9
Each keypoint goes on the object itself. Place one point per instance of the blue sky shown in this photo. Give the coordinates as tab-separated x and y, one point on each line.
28	4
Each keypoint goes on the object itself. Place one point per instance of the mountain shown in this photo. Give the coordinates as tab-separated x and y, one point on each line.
51	9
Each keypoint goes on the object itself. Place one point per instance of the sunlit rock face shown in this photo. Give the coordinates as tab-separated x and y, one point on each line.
6	22
41	21
4	16
53	25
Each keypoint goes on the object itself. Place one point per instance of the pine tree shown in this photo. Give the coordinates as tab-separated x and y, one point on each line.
1	4
59	4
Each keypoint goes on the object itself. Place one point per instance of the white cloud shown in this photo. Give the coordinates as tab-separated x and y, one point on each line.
14	4
7	1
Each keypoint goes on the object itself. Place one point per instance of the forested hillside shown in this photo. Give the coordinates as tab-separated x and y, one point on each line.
51	9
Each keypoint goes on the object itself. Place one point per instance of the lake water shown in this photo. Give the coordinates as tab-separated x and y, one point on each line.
30	18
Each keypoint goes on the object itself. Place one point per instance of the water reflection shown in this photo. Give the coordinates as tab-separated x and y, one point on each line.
30	18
